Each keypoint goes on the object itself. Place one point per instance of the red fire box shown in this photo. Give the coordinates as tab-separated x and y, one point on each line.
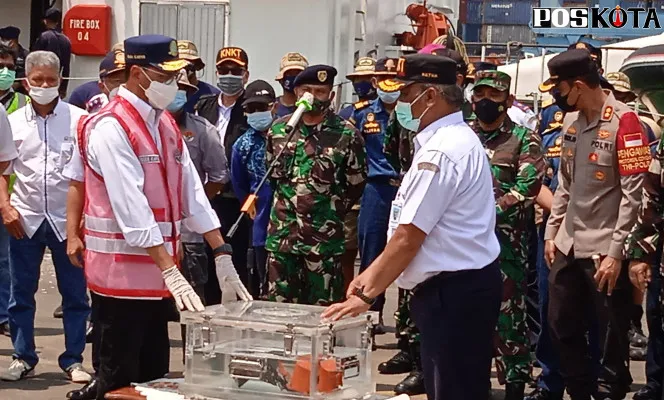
88	27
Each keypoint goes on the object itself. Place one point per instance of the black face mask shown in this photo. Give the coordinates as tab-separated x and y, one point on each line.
488	111
561	101
320	106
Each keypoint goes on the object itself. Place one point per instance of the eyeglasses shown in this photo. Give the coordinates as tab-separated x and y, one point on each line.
233	71
10	67
257	107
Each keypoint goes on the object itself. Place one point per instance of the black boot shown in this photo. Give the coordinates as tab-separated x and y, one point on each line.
543	394
515	391
379	328
87	392
413	384
401	363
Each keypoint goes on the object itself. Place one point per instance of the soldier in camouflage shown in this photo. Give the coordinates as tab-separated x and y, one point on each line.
316	180
517	165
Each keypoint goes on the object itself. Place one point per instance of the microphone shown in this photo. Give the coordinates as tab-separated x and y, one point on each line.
303	105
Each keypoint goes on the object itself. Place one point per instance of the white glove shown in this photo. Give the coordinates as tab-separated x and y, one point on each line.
229	282
185	297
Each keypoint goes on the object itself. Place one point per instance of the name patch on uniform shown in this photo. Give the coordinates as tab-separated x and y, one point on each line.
427	166
555	150
188	136
633	151
371	126
570	138
602	144
149	159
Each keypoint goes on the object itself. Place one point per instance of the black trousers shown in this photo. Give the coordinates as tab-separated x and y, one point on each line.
96	335
655	357
134	345
572	290
457	318
228	210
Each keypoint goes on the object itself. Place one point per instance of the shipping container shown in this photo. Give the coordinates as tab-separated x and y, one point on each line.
503	12
507	33
471	32
474	12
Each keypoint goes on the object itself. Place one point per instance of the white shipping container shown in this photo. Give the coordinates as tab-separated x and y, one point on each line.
507	33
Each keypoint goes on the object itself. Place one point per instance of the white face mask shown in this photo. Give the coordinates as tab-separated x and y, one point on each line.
113	93
42	95
160	95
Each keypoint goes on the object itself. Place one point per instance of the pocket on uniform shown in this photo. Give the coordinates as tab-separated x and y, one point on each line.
601	171
324	168
283	166
66	152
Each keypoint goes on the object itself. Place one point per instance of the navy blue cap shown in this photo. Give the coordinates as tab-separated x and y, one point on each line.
10	32
386	66
158	51
421	68
316	75
114	61
567	65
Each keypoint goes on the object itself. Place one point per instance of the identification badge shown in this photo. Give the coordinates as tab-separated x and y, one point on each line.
395	215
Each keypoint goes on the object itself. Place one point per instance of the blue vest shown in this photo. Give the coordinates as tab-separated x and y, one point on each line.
371	119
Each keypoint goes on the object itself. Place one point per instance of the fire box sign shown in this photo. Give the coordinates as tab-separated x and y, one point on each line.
88	27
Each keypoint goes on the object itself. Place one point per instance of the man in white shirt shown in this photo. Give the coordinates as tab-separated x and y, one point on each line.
35	218
442	242
7	154
140	185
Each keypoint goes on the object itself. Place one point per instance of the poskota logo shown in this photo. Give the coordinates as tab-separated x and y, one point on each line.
595	17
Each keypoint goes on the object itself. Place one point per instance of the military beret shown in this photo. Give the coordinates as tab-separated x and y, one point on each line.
421	68
495	79
316	75
567	65
158	51
10	32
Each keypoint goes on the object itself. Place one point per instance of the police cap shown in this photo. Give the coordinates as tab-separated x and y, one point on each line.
421	68
316	75
114	61
567	65
10	32
158	51
386	67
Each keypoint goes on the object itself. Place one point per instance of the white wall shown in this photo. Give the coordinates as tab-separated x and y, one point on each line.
17	13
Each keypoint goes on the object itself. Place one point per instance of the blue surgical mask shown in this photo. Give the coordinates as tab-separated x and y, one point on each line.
405	117
364	89
260	120
388	97
179	101
288	83
230	84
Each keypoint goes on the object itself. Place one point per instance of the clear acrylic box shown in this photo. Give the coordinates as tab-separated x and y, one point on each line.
250	350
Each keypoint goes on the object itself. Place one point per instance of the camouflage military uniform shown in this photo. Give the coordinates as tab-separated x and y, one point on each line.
517	166
319	176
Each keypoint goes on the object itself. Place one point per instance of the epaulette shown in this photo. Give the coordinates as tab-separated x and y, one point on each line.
361	104
546	103
521	106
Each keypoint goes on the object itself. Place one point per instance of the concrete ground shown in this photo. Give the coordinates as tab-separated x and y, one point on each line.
50	382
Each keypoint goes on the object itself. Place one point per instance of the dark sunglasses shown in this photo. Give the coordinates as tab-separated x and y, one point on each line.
233	71
257	107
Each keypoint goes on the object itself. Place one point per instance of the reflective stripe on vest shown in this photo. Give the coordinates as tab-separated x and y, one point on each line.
110	226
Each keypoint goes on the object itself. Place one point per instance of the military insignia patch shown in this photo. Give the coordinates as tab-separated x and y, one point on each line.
188	136
593	157
371	117
322	76
389	65
607	114
173	49
558	141
602	134
571	130
427	166
558	116
632	146
599	175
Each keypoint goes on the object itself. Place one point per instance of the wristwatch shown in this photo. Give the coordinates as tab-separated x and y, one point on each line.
359	293
223	249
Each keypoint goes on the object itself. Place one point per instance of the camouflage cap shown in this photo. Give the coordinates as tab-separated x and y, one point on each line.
620	81
495	79
365	66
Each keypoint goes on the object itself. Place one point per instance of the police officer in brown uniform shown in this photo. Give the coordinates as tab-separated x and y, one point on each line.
603	160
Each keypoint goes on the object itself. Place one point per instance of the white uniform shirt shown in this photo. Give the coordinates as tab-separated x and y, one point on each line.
111	155
7	149
522	117
224	119
44	146
448	194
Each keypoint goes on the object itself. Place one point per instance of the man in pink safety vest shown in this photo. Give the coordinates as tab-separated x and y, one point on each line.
140	188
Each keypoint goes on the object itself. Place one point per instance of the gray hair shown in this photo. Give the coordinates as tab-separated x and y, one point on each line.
452	94
40	58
